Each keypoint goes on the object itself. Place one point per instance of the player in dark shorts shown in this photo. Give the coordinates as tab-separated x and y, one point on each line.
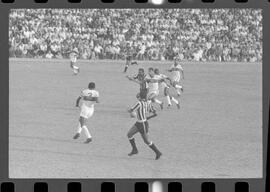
142	107
140	79
129	55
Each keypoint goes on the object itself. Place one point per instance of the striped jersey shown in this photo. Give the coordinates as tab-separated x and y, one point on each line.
142	108
143	84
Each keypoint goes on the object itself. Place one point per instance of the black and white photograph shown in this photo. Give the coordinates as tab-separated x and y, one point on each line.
135	93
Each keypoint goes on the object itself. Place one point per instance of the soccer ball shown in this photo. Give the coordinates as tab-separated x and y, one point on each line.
133	114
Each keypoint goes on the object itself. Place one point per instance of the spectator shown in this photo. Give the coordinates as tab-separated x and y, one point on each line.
196	34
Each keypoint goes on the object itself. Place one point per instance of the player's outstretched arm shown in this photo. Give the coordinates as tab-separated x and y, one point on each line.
78	101
151	116
132	79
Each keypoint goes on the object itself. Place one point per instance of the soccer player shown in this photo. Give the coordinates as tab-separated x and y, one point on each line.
140	79
152	80
177	72
88	99
142	107
73	59
165	87
129	55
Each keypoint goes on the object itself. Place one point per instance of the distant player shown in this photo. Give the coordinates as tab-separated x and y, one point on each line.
177	72
142	108
73	60
129	56
153	80
165	88
88	99
140	79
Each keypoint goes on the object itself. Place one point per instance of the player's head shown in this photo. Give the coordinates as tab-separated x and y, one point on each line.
141	71
91	85
151	71
156	71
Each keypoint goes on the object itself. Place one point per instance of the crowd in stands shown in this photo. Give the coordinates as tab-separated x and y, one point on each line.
153	34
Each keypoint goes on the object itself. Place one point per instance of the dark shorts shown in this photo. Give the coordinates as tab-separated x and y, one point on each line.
142	127
144	91
128	58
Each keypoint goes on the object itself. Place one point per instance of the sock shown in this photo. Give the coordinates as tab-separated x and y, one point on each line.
87	133
154	148
126	67
168	100
79	129
133	144
178	92
175	100
158	101
178	86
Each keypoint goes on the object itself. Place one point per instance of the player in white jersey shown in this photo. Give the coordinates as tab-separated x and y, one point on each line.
73	60
165	88
88	99
152	80
177	72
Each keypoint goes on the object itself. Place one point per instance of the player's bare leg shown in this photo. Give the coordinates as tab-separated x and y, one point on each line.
84	127
127	65
179	88
151	144
131	139
166	93
78	134
176	102
134	63
153	98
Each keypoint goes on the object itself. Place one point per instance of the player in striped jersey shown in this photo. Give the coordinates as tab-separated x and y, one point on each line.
140	79
142	107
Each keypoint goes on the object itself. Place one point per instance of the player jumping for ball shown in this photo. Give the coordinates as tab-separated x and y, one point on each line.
129	55
88	99
142	107
177	72
152	80
165	87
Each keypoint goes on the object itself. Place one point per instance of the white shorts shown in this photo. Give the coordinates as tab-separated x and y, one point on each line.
152	94
86	112
75	67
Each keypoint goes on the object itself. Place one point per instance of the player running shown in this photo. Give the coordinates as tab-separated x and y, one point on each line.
177	72
88	99
165	87
142	107
140	79
152	80
129	55
73	59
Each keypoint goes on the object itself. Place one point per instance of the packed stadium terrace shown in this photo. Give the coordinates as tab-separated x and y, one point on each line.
154	34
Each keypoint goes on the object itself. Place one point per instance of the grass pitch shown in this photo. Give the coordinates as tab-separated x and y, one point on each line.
217	133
